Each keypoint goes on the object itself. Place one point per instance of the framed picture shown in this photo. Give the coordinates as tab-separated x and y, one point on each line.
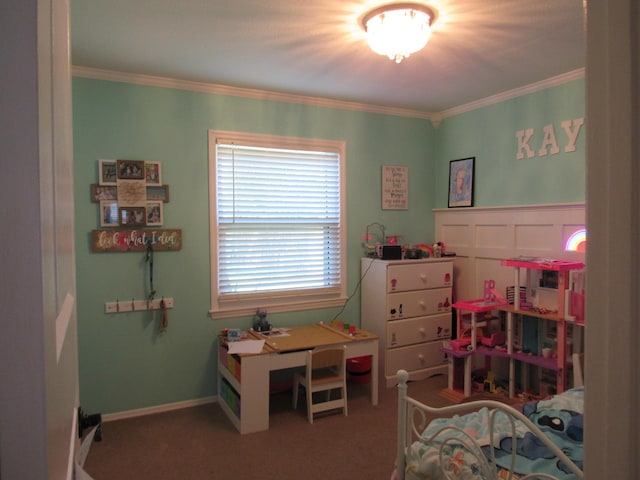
107	172
132	216
154	213
461	173
130	169
103	192
152	173
159	192
109	213
132	193
395	187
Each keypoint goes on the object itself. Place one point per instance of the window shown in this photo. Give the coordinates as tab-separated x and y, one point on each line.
277	223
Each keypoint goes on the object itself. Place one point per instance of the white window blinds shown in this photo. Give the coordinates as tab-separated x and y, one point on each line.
278	221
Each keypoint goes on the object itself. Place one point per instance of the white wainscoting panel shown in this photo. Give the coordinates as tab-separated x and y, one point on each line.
481	237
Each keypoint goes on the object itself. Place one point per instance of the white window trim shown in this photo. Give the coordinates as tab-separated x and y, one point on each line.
281	302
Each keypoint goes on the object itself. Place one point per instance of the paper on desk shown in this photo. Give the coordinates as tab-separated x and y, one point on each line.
246	346
277	332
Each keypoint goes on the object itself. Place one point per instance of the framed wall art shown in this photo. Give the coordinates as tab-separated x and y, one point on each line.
107	172
136	240
159	192
132	193
130	169
395	188
109	213
103	192
461	181
153	173
132	216
154	213
130	198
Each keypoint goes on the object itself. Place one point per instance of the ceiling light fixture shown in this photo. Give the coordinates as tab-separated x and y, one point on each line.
399	29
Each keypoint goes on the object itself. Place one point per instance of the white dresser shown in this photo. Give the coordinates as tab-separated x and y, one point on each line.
407	303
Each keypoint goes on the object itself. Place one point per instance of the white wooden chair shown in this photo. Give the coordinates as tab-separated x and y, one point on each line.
325	371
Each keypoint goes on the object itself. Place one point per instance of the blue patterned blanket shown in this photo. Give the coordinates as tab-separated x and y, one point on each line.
559	417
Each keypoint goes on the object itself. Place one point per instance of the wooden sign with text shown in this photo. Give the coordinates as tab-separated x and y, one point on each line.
395	188
135	240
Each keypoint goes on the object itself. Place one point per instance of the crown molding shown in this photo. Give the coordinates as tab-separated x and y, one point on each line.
256	94
508	95
251	93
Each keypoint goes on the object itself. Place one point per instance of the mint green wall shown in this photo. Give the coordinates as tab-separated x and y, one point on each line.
124	362
489	134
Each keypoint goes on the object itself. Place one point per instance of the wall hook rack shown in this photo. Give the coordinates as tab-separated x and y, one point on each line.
133	305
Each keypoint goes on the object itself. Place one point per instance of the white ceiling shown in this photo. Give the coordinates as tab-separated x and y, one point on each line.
478	48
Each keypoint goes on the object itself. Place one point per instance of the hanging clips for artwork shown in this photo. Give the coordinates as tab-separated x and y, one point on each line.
140	305
149	303
164	321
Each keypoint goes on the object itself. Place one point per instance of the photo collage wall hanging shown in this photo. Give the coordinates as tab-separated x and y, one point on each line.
130	193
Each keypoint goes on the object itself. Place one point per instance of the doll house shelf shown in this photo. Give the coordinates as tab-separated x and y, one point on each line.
463	348
545	300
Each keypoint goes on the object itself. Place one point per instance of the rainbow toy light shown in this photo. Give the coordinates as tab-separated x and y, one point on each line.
577	242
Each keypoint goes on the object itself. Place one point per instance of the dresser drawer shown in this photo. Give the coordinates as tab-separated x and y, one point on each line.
418	303
401	333
415	357
418	276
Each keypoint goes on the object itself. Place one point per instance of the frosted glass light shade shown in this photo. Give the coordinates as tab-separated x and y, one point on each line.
398	30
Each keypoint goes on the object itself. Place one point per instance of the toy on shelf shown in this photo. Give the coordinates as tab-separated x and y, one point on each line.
494	340
490	301
544	312
260	323
553	275
472	336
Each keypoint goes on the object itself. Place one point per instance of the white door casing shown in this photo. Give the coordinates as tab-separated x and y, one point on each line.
38	344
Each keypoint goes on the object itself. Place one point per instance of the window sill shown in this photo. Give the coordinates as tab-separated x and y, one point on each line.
244	310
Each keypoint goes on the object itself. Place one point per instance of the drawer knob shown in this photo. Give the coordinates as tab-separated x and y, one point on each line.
421	330
421	357
421	303
423	277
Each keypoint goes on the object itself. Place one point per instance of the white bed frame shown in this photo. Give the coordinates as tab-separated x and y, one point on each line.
412	421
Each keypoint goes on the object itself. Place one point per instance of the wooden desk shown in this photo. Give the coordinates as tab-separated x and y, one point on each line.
243	380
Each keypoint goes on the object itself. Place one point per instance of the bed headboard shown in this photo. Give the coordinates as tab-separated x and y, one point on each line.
481	237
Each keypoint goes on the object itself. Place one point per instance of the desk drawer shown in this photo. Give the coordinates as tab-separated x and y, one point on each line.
418	303
414	357
418	276
417	330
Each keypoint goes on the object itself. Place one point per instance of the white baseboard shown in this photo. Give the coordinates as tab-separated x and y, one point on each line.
109	417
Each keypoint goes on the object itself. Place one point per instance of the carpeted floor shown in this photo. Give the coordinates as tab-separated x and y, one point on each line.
200	443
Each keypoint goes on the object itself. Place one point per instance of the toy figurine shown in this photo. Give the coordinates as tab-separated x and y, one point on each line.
260	324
